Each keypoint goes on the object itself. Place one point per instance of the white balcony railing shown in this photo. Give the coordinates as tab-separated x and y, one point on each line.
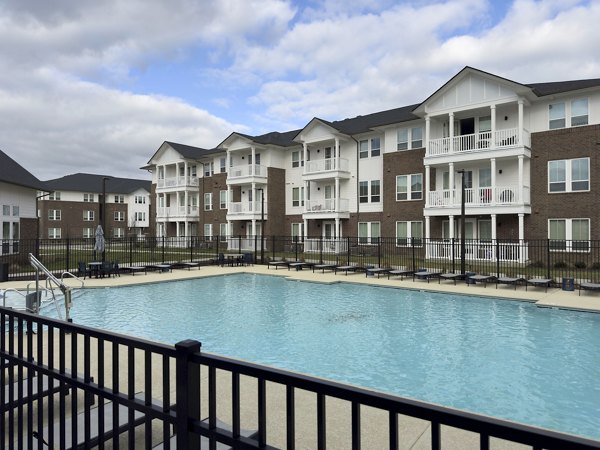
174	182
246	244
479	141
246	208
476	250
247	170
176	211
333	246
483	196
326	165
327	205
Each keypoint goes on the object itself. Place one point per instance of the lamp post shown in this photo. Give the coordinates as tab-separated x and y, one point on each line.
103	212
262	224
462	222
37	216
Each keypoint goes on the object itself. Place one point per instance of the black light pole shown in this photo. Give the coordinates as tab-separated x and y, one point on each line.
262	225
37	215
462	222
103	214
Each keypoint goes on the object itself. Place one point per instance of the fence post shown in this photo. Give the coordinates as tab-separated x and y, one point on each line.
412	244
347	251
296	247
321	249
548	258
273	245
131	250
163	249
452	253
68	255
497	258
379	252
191	248
188	393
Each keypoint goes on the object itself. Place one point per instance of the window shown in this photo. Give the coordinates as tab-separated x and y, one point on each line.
556	114
363	192
118	232
119	199
297	160
223	199
140	199
223	231
409	234
140	216
374	145
569	175
119	216
222	165
208	231
409	187
54	214
6	210
88	198
208	201
579	112
15	210
192	171
297	232
88	232
375	191
368	232
569	234
209	169
409	138
54	233
298	196
88	216
54	196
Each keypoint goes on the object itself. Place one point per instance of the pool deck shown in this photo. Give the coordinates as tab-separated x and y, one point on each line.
554	298
415	433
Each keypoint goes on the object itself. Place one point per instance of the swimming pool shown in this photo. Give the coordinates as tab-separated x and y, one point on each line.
496	357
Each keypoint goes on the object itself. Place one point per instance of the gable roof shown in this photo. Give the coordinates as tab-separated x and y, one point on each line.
558	87
285	139
86	182
186	151
12	172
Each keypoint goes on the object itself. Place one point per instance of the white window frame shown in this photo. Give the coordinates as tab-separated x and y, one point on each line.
568	244
298	197
577	118
297	231
140	199
223	231
54	233
559	121
409	184
405	138
119	216
208	231
568	180
89	216
54	214
372	196
54	195
208	201
373	233
119	198
88	232
297	158
88	198
118	232
414	233
223	199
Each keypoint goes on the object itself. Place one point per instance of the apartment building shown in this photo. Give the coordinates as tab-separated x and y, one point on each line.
525	154
74	206
18	192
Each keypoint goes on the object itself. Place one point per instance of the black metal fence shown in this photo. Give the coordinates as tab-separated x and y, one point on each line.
534	258
69	386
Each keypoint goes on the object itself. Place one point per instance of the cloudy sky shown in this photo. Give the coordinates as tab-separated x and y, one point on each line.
96	86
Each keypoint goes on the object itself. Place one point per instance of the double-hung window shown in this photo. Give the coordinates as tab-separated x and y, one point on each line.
409	187
556	115
569	175
89	198
410	138
297	160
579	112
369	232
88	216
119	199
119	216
298	196
369	146
54	233
208	233
369	191
223	199
409	234
363	192
208	201
54	196
375	191
297	231
569	234
223	231
88	232
54	214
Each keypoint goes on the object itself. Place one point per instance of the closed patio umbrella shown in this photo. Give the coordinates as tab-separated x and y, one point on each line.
99	244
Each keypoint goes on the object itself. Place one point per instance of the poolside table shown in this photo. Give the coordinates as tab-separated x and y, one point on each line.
95	268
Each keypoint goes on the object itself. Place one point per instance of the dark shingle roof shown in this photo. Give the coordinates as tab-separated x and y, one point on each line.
362	124
13	173
187	151
285	139
86	182
558	87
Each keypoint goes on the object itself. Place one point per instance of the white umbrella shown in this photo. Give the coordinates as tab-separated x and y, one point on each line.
99	245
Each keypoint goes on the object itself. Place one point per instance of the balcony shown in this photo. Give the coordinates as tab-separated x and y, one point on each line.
248	244
330	246
245	210
247	173
326	209
501	139
326	168
176	182
177	212
480	197
476	250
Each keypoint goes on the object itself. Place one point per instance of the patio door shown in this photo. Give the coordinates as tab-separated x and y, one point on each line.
329	230
329	154
329	204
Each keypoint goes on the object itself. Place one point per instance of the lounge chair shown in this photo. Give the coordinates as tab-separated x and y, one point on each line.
133	269
377	271
451	276
106	269
510	280
481	279
220	261
95	438
426	275
277	264
348	268
589	286
539	282
204	442
160	267
324	267
247	259
185	265
400	273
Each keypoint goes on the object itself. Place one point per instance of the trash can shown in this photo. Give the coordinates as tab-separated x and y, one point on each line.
3	272
568	284
468	277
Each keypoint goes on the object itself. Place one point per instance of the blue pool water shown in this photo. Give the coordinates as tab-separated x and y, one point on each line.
501	358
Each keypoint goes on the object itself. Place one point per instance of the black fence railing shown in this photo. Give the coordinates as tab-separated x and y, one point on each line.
69	386
533	258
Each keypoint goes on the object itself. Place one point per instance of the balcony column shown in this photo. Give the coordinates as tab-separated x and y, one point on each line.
227	162
452	197
337	153
253	229
185	176
427	178
493	125
337	195
186	229
337	228
451	131
304	153
521	123
494	226
522	252
427	133
521	189
493	170
427	235
305	229
451	227
186	204
254	199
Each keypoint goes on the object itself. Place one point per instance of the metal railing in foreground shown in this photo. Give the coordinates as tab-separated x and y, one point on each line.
155	393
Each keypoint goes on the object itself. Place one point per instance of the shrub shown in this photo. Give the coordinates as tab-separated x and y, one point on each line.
560	265
536	264
596	266
580	264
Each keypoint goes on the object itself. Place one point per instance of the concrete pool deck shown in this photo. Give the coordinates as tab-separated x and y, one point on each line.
414	433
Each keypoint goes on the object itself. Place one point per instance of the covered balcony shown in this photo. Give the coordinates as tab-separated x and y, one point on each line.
483	141
325	168
246	210
247	173
480	197
177	182
177	212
